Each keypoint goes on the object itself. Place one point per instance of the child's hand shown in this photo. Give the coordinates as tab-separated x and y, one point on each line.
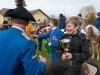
68	55
63	56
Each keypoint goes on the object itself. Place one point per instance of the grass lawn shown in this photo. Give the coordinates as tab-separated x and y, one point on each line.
48	56
44	53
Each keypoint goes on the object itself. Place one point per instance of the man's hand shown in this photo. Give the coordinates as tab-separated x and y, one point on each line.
43	59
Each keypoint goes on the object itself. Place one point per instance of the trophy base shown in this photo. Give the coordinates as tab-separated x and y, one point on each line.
66	49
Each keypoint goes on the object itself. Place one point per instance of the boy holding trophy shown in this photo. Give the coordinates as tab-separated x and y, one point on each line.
76	49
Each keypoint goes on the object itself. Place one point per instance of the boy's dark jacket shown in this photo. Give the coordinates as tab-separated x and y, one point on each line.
78	47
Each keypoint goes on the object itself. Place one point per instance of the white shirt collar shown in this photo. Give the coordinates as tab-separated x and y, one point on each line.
54	28
18	28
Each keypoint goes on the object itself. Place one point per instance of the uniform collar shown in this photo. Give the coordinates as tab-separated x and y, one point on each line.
18	28
54	28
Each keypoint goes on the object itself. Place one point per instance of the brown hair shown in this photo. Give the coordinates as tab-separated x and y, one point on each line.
75	20
64	67
54	21
20	21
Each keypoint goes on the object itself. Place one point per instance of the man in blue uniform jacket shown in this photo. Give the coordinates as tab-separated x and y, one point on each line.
17	50
54	36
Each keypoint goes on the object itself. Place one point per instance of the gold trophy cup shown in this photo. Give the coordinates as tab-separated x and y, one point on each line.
65	43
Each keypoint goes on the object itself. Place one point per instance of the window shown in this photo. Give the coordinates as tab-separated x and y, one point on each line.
39	21
9	19
44	21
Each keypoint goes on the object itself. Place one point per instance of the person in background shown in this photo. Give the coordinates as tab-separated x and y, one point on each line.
82	27
62	24
17	50
97	21
39	40
5	25
42	30
54	36
78	50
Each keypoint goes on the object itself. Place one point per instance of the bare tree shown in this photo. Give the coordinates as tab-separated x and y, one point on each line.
52	16
89	13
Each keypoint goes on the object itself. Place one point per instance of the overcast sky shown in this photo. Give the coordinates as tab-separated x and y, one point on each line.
67	7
